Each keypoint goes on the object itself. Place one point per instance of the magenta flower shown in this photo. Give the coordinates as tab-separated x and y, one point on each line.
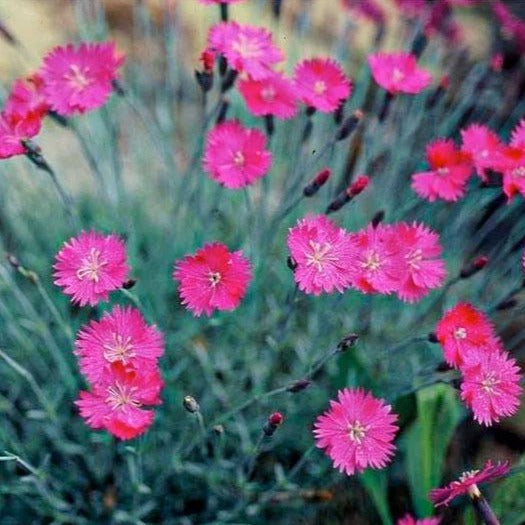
27	98
409	520
357	431
368	9
398	72
491	386
321	83
116	405
236	156
420	251
90	266
483	146
464	333
212	279
449	173
512	166
247	48
14	130
322	252
78	79
272	95
121	337
377	266
467	483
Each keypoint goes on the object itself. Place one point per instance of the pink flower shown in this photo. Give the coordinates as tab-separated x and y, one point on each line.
27	98
465	333
322	252
236	156
409	520
14	130
121	337
517	138
321	83
511	25
357	431
368	9
90	266
212	279
467	483
377	266
449	174
398	72
217	2
117	404
411	8
420	250
483	146
77	79
491	387
247	48
512	166
272	95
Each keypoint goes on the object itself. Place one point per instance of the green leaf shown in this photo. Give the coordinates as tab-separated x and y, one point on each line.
508	502
426	442
375	483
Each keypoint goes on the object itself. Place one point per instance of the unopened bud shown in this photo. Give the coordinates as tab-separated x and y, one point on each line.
419	44
223	110
190	404
349	125
276	8
317	182
223	65
208	59
435	97
228	80
298	385
274	421
6	33
130	283
218	430
378	218
205	80
348	341
269	124
507	304
307	131
358	185
291	263
118	88
432	337
339	113
12	260
474	267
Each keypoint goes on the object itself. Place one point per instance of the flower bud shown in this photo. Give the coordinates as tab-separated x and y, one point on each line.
228	80
274	421
269	124
208	59
129	284
348	341
358	185
223	110
291	263
432	337
378	218
474	267
317	182
190	404
205	80
13	260
298	385
349	125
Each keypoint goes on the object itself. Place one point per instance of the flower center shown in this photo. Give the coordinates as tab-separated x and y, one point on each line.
320	254
268	94
77	77
215	278
460	333
484	154
519	172
119	397
442	171
91	266
120	349
357	431
414	257
238	159
489	382
397	75
372	262
246	47
473	489
319	87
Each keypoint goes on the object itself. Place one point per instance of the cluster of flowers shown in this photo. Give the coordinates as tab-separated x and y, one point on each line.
490	378
118	355
70	81
481	151
396	258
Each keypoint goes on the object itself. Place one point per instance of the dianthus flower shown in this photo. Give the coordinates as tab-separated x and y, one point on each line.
90	266
377	266
398	72
79	78
117	405
212	279
357	431
368	9
420	251
248	49
409	520
464	333
321	83
322	252
236	156
511	25
512	166
121	337
491	387
449	173
483	146
467	483
272	95
14	130
27	98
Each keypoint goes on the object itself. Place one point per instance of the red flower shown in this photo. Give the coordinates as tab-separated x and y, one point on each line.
212	279
467	483
321	83
27	99
449	174
14	130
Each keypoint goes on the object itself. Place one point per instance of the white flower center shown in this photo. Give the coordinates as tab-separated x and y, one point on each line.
397	75
120	349
77	77
357	431
238	159
320	254
246	47
460	333
519	172
268	94
414	257
442	171
119	397
91	266
215	278
372	262
319	87
489	382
